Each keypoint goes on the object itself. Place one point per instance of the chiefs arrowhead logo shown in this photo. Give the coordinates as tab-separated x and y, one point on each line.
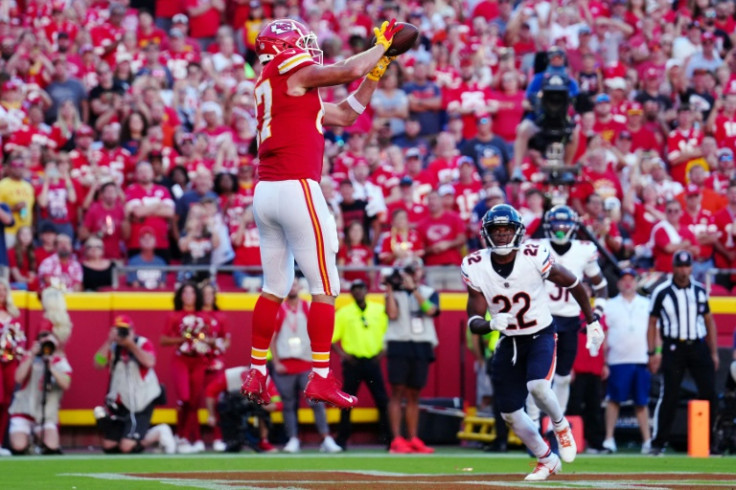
281	28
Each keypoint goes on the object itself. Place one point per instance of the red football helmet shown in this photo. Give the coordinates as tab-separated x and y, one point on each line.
282	34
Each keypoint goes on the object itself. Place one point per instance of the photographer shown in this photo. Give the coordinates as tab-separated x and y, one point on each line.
226	405
132	392
410	342
43	375
547	120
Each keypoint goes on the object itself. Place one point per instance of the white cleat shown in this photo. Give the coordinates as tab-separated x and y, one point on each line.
566	443
545	467
292	446
329	446
218	446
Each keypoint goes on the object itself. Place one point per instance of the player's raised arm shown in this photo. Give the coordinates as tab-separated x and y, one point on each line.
345	71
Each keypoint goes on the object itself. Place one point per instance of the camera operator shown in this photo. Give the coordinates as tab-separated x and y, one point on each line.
133	391
548	114
410	342
226	405
43	375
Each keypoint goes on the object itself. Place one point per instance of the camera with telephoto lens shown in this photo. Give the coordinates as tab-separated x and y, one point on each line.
395	277
123	332
48	344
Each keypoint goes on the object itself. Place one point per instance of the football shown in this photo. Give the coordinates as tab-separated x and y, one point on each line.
403	40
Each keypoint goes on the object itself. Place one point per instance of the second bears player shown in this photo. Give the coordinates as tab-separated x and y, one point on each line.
508	279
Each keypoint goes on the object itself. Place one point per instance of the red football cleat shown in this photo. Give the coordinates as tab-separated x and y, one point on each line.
326	390
419	447
255	387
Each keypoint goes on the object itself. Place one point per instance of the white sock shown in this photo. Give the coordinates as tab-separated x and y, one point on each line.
545	398
527	432
321	371
261	368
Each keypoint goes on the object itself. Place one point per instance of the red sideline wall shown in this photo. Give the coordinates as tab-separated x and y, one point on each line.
92	313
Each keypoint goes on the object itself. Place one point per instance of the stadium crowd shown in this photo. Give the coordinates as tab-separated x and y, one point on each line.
129	127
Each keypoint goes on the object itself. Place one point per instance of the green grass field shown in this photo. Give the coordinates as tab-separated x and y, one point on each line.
78	472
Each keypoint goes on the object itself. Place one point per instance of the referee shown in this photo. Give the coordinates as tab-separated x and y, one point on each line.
359	328
685	340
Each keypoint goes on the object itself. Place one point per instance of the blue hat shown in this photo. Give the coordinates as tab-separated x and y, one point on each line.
602	98
629	271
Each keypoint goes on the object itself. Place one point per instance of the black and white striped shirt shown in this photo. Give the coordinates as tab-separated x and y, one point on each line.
680	310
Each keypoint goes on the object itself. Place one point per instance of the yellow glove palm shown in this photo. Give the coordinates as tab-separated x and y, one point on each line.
377	72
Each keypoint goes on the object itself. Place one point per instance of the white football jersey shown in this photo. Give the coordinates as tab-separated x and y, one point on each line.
522	294
582	260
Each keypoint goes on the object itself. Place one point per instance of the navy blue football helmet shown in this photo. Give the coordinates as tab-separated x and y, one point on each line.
560	223
503	215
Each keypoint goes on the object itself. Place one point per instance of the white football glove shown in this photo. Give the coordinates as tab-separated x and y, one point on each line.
595	338
500	321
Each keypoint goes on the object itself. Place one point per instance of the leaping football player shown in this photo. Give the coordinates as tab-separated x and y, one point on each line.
293	219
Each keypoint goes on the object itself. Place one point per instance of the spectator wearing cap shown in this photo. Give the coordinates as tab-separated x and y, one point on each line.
725	247
425	99
390	104
642	138
443	236
18	195
106	36
204	17
684	145
64	87
407	201
148	204
722	173
699	95
489	152
606	124
681	342
670	236
145	276
104	218
707	58
650	89
701	223
626	356
360	328
61	270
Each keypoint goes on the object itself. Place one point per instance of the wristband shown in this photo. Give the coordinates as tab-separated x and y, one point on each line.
577	281
100	359
426	306
478	317
354	104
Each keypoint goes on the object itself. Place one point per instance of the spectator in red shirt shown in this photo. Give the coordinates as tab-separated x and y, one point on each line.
670	236
148	204
204	18
606	124
683	145
354	252
407	201
246	243
700	222
401	241
22	261
507	106
443	236
725	220
105	219
61	270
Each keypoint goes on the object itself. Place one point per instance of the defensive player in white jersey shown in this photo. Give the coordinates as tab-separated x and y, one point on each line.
507	279
581	258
